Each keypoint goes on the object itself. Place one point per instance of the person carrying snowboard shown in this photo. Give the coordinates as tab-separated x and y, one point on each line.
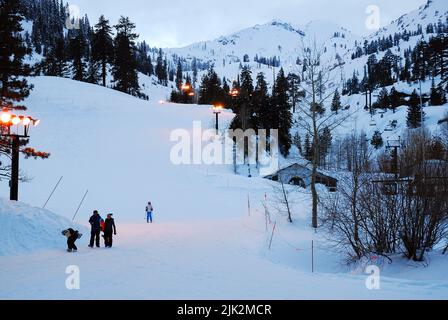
109	228
72	236
95	222
149	210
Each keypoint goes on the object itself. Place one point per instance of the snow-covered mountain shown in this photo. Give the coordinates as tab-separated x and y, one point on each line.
274	40
434	11
284	40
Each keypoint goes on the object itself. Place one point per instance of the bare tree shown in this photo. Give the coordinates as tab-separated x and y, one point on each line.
386	214
282	200
319	84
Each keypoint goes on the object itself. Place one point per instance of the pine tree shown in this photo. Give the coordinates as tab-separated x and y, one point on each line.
125	65
13	70
281	105
383	99
159	67
102	46
210	91
415	112
179	76
194	66
55	63
93	74
293	90
245	99
165	73
77	49
263	117
308	150
377	140
144	60
394	99
437	97
336	104
325	141
420	59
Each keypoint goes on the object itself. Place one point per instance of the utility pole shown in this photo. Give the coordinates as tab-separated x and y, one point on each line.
14	182
395	165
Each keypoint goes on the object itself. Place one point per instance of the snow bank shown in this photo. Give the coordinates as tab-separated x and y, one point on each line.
24	229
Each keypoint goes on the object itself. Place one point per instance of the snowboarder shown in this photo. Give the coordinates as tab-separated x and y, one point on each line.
72	236
95	222
109	228
149	210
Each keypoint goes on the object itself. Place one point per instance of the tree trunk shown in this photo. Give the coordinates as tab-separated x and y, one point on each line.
104	73
315	160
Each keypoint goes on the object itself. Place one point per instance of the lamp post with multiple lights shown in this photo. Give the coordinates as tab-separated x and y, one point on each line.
8	122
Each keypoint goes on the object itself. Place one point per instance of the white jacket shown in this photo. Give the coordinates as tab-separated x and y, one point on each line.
149	208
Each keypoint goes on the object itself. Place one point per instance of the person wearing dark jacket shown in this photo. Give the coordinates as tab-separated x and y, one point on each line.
95	223
72	236
109	229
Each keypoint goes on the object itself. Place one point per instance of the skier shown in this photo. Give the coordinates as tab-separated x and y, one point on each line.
95	222
109	228
72	236
149	210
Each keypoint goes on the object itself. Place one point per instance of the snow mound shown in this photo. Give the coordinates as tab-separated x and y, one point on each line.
24	229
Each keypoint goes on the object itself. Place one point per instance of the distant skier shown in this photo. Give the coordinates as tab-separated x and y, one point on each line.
72	236
109	229
95	222
149	210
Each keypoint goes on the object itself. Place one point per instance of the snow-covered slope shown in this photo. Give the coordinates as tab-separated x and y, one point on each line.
25	229
434	11
277	39
204	244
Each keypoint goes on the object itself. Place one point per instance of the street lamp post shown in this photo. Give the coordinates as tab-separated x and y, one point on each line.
7	122
217	109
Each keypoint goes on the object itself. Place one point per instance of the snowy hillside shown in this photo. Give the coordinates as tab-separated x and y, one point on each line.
204	243
284	41
434	11
276	39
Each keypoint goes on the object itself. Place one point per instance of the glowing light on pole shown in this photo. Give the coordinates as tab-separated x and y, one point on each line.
217	109
16	120
26	121
5	117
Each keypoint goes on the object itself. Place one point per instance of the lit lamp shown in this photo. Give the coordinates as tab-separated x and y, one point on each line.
217	109
7	121
185	87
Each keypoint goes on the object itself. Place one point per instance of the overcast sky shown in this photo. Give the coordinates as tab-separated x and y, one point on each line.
175	23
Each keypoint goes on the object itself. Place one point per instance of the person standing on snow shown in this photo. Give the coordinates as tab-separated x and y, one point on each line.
149	210
109	228
95	223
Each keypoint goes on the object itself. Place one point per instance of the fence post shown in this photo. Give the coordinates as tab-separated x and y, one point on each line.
272	236
52	192
312	256
80	204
